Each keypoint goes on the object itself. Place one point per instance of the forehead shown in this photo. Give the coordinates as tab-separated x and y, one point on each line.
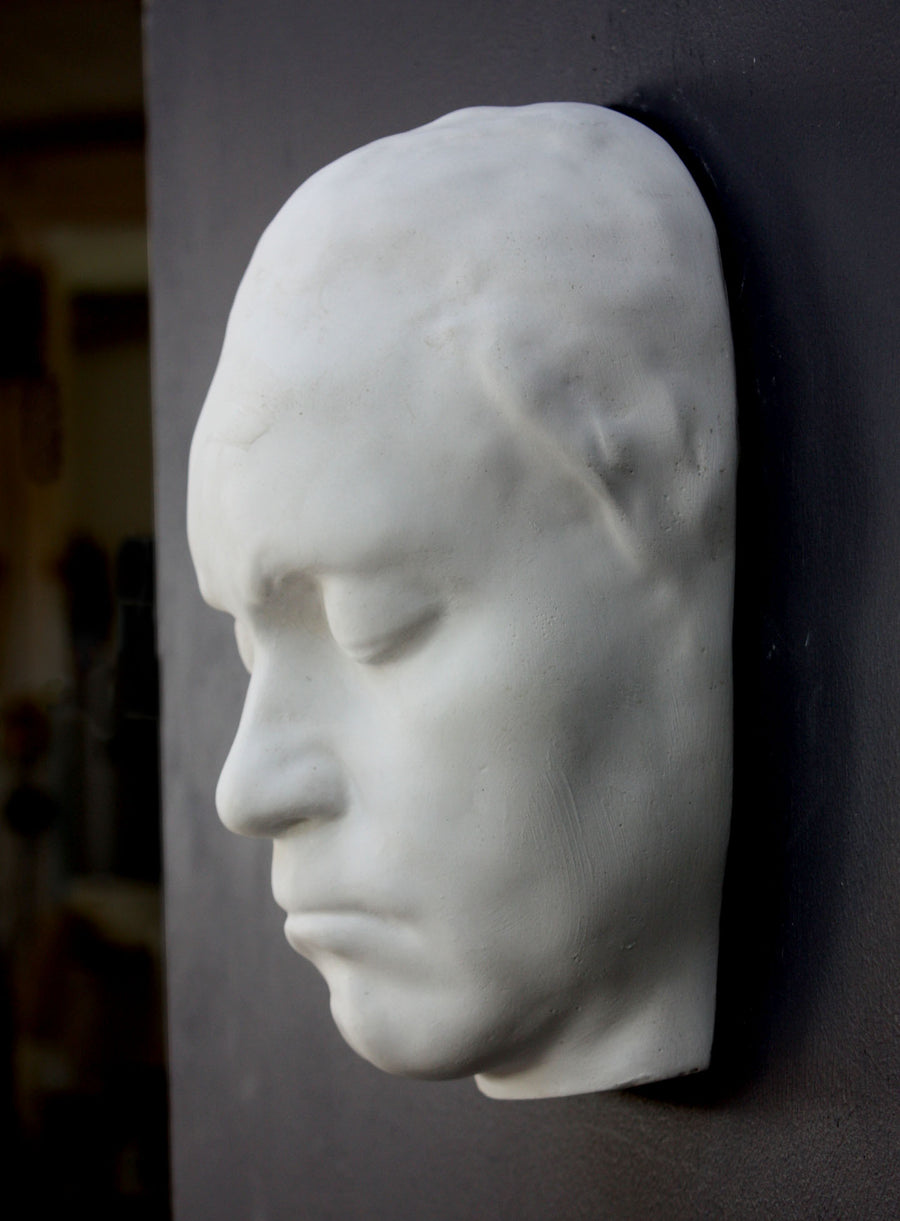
354	443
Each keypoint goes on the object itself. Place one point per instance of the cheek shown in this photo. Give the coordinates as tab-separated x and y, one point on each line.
464	775
480	745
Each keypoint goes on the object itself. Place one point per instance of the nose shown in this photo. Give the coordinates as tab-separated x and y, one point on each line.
276	777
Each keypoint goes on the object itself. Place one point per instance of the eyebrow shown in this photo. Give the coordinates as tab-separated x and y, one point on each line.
268	582
273	558
236	589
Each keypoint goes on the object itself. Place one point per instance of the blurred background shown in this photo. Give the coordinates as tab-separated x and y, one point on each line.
81	1026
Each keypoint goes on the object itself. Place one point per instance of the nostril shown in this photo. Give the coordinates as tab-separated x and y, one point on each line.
268	793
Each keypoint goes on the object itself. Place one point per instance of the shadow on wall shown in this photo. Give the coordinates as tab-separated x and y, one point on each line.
794	585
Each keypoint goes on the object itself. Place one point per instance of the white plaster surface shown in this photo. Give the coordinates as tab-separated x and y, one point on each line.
464	478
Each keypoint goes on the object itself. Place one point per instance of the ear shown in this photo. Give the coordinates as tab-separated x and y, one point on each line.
659	450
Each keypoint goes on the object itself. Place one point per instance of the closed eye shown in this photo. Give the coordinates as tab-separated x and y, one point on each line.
389	646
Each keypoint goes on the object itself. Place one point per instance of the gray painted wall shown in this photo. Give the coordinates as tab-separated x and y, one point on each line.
788	114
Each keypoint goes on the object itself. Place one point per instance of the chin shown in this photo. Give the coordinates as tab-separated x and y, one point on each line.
402	1031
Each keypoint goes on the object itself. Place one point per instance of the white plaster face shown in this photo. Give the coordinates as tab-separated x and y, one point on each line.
457	731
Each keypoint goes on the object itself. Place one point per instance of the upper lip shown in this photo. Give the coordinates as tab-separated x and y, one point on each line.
300	926
324	911
312	913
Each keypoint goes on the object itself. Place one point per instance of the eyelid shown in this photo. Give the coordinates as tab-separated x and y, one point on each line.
379	650
375	619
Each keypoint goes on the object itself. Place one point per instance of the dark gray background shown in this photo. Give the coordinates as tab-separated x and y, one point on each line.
788	115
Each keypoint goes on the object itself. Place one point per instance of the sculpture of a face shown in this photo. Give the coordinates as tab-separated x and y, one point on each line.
467	667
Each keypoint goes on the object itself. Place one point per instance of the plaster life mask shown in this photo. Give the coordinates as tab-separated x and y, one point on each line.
465	480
